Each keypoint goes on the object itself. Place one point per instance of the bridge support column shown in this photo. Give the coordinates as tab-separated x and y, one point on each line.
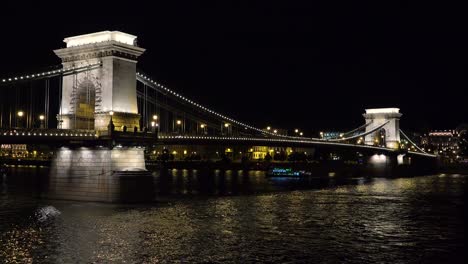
100	174
382	165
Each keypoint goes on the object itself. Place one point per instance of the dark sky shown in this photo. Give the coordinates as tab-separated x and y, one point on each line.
281	63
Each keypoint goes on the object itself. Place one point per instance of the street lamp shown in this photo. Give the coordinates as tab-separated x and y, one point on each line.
42	118
155	117
300	134
19	121
203	128
268	128
296	130
275	131
179	126
227	126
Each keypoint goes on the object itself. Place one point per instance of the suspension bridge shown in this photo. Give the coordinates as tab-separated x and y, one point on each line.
100	112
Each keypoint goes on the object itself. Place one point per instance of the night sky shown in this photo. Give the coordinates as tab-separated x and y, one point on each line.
282	64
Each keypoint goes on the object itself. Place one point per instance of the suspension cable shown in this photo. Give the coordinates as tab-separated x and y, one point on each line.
414	144
60	103
161	88
31	106
53	73
47	98
362	134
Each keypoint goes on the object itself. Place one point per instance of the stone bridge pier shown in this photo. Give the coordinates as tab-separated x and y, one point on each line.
100	174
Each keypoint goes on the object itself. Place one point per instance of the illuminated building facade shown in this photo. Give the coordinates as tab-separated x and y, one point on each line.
442	142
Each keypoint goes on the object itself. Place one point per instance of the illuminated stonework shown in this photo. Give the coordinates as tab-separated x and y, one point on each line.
390	131
101	90
102	36
100	174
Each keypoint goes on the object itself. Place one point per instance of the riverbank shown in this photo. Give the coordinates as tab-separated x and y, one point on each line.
454	168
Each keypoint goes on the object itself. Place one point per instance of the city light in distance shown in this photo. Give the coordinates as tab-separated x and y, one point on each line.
20	113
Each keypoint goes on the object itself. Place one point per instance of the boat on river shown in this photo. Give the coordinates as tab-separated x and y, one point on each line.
286	172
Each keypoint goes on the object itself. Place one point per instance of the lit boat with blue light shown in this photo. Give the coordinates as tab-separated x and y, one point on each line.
286	172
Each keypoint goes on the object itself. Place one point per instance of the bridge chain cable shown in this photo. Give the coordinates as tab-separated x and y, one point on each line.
360	135
411	142
351	131
159	87
354	130
167	107
52	73
46	103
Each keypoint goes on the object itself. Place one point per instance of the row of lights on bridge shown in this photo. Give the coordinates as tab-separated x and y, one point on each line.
203	137
178	122
49	134
282	141
43	74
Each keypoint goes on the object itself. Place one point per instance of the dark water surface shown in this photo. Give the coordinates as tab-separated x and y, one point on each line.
238	217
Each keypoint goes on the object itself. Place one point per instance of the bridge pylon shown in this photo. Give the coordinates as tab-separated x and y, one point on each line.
91	96
389	135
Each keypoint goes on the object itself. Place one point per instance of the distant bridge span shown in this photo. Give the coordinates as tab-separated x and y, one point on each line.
248	141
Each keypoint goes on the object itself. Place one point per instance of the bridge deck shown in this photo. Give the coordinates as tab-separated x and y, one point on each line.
91	137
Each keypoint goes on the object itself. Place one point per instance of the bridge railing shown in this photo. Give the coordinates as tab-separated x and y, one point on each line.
46	132
126	134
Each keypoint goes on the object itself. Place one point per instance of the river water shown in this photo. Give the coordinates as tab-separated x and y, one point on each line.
236	217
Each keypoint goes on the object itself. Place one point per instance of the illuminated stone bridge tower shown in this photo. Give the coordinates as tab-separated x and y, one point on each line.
103	86
91	96
389	134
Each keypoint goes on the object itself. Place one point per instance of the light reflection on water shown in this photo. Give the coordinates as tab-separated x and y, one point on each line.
239	217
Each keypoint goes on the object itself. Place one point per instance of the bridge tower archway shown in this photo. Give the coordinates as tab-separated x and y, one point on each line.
389	134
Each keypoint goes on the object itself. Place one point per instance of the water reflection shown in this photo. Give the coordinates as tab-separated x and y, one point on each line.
180	182
360	220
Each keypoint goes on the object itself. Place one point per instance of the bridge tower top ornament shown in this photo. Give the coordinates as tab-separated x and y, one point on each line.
389	134
98	37
90	96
